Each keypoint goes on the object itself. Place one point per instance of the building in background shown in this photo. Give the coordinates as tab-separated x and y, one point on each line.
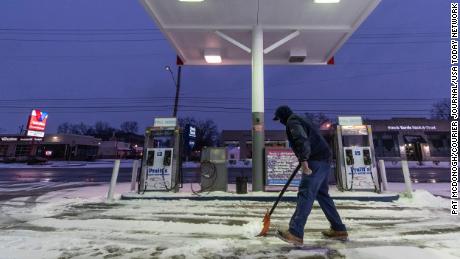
414	139
69	147
18	147
115	149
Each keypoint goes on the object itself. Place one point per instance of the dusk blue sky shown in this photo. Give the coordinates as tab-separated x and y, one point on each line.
109	53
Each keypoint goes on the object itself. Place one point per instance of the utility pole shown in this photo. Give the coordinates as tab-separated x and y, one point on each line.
177	85
176	100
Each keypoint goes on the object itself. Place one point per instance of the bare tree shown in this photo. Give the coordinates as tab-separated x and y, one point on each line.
129	127
69	128
80	129
441	110
206	131
318	119
64	128
103	130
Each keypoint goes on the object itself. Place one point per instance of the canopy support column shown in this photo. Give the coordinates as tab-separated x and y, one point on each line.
258	128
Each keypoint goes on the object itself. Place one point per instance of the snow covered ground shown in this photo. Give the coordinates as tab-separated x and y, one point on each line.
78	223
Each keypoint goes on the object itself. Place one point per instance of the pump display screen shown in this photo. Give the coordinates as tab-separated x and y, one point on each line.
360	141
354	130
355	136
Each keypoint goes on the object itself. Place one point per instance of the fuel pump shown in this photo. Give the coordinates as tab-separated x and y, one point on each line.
161	163
356	168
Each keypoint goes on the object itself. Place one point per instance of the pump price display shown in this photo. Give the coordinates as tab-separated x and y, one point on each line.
281	162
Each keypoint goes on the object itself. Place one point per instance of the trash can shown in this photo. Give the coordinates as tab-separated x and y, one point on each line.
241	185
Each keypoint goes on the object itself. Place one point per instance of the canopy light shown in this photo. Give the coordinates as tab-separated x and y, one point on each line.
326	1
212	56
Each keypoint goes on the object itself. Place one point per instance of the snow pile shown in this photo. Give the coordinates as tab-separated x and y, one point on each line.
423	198
252	228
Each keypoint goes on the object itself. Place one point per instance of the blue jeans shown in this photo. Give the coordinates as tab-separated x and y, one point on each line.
314	186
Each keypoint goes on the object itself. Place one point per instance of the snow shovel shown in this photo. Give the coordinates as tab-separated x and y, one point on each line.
266	219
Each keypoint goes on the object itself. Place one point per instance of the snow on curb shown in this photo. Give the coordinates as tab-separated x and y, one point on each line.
423	198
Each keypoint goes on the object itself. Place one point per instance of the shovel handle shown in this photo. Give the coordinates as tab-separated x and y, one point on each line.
284	189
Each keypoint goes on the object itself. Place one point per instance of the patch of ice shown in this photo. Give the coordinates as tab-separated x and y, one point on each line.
201	248
307	253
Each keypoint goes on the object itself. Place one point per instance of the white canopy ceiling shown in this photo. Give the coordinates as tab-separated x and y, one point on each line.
192	27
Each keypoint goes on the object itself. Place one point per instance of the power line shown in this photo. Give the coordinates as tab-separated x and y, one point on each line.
80	29
97	108
303	83
82	33
125	107
233	112
351	42
216	98
82	40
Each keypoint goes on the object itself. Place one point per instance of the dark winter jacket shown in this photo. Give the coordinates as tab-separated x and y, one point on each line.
306	141
304	138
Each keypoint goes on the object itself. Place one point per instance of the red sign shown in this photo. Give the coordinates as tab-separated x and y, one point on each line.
37	121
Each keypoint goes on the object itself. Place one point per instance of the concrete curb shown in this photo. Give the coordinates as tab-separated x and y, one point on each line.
206	197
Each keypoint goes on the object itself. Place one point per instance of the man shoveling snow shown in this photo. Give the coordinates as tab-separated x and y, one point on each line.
314	157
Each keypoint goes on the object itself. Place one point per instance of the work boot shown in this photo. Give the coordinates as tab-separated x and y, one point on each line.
286	236
334	234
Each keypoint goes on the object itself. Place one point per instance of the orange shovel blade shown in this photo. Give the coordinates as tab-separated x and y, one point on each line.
266	226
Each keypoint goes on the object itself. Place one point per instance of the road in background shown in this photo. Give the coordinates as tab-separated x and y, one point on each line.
421	175
20	182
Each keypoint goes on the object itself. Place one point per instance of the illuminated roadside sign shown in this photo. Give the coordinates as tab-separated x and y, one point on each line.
411	127
192	132
165	122
34	133
190	136
8	139
15	139
37	124
350	120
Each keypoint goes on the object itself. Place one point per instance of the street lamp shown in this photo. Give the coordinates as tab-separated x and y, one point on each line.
177	84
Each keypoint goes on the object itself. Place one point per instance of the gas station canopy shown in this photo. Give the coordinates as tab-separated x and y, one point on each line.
298	32
257	33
